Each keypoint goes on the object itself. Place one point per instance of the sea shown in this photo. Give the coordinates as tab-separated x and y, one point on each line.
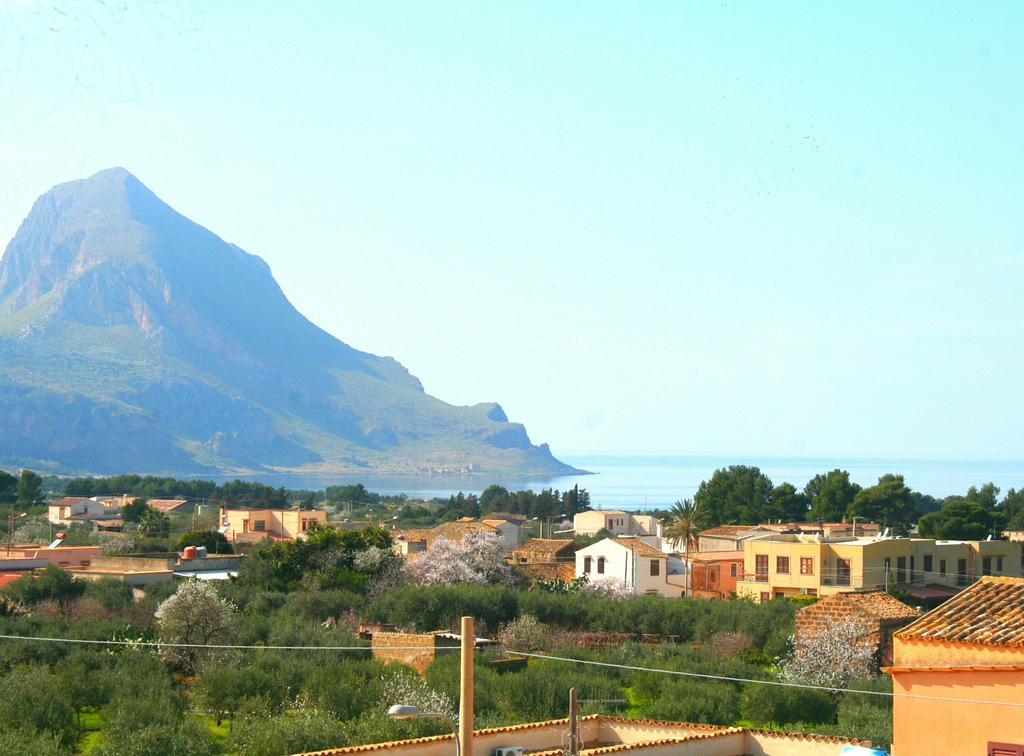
647	481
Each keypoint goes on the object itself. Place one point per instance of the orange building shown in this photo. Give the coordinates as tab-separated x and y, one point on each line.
967	655
713	574
254	525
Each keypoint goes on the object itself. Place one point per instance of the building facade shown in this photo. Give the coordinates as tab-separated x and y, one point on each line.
929	570
633	565
253	525
617	523
958	675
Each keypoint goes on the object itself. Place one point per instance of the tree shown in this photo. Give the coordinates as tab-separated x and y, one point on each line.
477	558
154	524
493	498
1012	509
737	494
33	698
49	584
830	495
215	543
788	504
30	490
839	652
8	488
890	502
963	518
525	633
133	511
195	614
684	523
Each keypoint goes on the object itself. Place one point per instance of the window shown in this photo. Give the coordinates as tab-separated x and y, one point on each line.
259	525
586	565
761	568
655	567
245	526
806	565
912	576
600	565
1005	749
942	566
999	564
765	597
812	591
842	571
986	565
961	572
782	565
901	569
927	562
733	569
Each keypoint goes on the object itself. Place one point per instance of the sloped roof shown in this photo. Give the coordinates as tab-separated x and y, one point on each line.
546	545
563	571
166	505
990	613
642	548
876	603
728	530
715	556
69	501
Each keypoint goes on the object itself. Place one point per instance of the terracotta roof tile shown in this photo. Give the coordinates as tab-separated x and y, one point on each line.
546	545
989	613
876	603
642	548
563	571
166	505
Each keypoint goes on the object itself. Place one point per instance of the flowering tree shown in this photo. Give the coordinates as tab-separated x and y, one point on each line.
833	656
525	633
194	614
613	588
409	690
477	558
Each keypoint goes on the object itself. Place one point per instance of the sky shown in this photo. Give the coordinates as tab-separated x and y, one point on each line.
725	227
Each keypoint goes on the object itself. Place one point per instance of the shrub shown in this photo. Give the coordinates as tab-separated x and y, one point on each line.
286	733
32	698
215	542
699	701
525	633
774	704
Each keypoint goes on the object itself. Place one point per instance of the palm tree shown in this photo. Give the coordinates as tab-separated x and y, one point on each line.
154	524
684	523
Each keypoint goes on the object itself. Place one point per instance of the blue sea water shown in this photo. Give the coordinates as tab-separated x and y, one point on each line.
643	481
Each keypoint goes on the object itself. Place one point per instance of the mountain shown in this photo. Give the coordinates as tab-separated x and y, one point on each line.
132	339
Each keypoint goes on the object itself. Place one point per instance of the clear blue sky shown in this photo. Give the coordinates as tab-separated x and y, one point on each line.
776	228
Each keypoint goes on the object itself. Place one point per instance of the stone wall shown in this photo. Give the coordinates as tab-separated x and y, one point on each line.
813	619
414	650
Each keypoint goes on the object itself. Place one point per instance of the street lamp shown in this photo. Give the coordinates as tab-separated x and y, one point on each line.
11	519
401	712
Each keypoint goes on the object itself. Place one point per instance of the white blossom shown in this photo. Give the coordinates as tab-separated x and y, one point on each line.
839	652
477	558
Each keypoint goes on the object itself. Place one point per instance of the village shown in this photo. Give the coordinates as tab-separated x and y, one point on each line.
939	618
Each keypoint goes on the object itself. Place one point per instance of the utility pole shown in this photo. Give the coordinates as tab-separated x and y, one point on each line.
574	724
465	734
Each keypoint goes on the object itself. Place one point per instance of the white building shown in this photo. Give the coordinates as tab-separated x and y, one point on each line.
617	523
642	568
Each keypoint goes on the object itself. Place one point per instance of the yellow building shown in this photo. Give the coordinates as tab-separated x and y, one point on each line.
251	525
929	570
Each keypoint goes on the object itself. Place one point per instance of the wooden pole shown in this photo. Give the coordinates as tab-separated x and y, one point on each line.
574	714
466	688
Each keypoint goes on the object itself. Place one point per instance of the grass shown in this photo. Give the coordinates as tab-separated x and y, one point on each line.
92	731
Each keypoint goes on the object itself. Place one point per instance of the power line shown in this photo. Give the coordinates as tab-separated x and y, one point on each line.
219	647
548	657
777	683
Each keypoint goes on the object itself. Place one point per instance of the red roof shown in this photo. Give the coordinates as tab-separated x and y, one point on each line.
6	578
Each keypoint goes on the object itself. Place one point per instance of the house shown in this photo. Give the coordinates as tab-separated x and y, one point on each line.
599	734
714	574
616	522
509	532
417	540
64	557
958	674
75	509
634	564
143	569
253	525
171	506
879	612
545	551
726	537
928	570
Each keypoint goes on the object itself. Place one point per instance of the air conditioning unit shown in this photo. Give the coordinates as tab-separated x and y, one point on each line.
509	751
